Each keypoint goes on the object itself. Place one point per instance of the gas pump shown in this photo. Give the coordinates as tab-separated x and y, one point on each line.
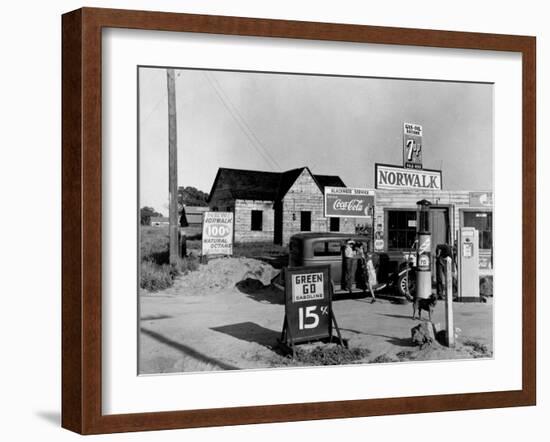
468	264
423	250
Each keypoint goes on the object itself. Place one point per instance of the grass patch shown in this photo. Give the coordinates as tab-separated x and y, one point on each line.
476	346
154	277
405	355
155	271
383	359
478	350
321	355
335	355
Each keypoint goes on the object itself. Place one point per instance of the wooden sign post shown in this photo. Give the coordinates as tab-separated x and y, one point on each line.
308	307
449	303
172	167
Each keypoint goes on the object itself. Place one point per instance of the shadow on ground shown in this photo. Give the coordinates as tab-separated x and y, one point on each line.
251	332
255	290
187	351
397	316
402	342
155	317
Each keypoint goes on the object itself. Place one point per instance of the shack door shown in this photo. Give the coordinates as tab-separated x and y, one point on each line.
439	223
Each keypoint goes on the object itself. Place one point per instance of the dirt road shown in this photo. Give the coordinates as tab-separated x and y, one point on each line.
224	317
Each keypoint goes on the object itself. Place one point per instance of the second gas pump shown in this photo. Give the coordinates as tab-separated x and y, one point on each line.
423	250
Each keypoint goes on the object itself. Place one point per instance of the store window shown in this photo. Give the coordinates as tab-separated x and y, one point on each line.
334	224
483	222
305	221
257	220
401	231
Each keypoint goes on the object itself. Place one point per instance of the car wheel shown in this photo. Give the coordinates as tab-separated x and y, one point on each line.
402	282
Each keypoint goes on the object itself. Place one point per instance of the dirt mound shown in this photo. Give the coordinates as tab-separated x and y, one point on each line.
223	274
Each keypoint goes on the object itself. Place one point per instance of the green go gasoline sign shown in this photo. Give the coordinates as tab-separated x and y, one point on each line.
308	305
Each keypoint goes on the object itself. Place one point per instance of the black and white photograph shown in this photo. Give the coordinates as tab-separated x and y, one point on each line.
298	220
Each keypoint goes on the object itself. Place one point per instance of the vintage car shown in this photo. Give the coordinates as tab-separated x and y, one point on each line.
319	248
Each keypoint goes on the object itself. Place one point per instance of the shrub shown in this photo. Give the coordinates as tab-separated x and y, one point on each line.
187	264
479	350
335	355
155	277
383	359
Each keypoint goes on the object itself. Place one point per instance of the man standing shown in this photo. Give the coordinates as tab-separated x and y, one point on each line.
442	251
349	266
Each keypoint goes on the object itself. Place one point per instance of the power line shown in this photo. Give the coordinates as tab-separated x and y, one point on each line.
241	122
159	102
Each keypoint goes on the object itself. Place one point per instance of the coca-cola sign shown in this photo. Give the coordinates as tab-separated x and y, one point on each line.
343	202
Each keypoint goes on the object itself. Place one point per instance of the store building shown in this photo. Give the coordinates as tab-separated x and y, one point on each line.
273	206
395	221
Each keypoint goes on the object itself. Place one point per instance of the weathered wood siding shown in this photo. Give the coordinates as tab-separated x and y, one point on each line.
243	221
305	195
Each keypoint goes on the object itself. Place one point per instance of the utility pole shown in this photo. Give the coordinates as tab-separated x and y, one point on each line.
172	166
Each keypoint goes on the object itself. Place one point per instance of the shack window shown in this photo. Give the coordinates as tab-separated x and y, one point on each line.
257	220
334	224
327	248
305	221
483	222
401	229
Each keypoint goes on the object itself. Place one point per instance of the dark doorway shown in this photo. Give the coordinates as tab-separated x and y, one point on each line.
305	221
439	224
278	221
334	224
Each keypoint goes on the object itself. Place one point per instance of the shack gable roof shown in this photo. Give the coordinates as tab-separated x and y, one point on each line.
265	186
328	181
247	184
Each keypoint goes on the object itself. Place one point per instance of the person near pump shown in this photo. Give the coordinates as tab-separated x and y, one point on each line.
349	265
366	272
442	252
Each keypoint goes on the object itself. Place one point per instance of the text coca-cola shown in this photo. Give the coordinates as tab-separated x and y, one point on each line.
351	205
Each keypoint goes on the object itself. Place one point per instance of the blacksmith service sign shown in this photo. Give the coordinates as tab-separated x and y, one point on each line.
341	202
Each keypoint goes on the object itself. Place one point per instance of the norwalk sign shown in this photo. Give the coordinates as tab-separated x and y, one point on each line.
393	177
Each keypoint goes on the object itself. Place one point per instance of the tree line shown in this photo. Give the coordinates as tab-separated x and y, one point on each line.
187	196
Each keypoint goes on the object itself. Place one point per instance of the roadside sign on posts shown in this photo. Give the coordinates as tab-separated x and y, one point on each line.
412	146
217	233
308	305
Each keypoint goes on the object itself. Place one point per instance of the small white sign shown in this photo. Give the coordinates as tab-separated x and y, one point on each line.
378	244
217	233
412	129
307	287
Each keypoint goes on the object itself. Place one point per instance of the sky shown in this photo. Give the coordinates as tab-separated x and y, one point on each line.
334	125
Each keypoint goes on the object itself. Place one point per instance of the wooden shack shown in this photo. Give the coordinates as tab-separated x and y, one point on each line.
272	206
